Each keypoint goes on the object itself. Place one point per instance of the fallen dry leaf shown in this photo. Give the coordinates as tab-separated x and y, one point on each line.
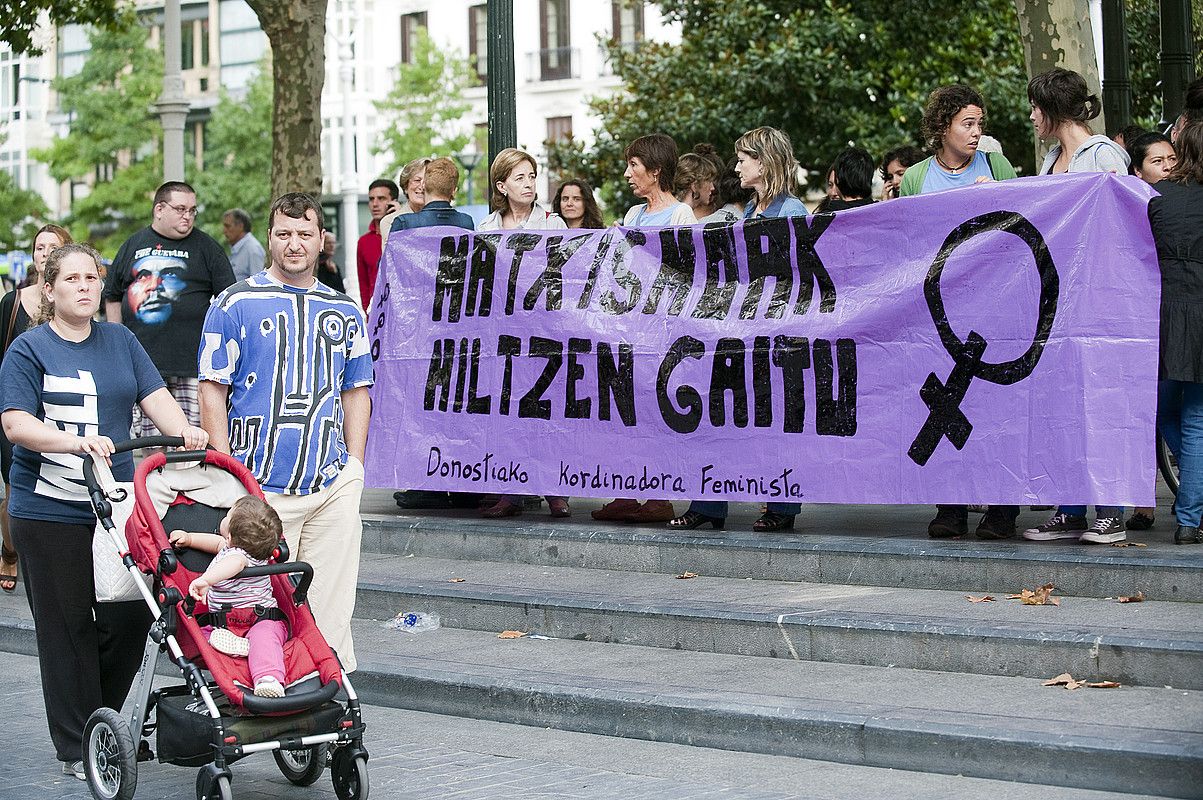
1039	597
989	598
457	580
1139	597
1128	544
1103	685
511	634
1064	679
687	575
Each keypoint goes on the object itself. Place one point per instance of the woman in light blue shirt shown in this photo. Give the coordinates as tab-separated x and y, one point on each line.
767	166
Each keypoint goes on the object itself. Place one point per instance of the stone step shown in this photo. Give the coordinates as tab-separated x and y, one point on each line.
937	736
1154	643
856	545
1128	739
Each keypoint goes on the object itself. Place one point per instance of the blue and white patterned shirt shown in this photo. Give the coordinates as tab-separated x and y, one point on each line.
287	355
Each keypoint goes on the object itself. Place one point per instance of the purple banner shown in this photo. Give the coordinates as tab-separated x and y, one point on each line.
995	344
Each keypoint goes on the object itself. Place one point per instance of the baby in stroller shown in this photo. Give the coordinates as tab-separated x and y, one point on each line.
245	620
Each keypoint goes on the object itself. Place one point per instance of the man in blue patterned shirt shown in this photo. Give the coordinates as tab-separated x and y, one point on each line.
285	368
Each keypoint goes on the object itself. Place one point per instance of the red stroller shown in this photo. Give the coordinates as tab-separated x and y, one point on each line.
212	722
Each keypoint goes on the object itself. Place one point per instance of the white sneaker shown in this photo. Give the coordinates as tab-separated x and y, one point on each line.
267	686
1106	530
74	769
224	641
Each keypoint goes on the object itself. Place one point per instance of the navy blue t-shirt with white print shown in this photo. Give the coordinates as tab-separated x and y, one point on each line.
86	388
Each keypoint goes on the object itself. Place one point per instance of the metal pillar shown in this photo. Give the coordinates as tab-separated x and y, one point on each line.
350	178
1177	58
172	105
503	115
1117	88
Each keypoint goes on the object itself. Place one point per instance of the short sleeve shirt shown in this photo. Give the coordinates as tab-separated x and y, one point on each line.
287	355
86	388
241	592
165	286
937	180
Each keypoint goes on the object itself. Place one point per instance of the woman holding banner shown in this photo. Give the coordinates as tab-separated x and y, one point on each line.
1062	108
767	166
651	173
513	175
953	123
1176	218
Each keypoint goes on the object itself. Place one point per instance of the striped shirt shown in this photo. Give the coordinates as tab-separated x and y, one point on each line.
241	592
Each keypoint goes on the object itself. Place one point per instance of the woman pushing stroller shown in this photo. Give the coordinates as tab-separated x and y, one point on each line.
247	537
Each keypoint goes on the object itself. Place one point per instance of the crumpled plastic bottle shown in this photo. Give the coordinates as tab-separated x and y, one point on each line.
413	622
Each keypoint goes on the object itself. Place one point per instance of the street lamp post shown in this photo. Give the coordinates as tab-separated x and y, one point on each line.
172	104
350	180
469	160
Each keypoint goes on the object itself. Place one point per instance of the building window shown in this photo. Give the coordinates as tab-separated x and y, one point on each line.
186	49
478	38
410	23
628	22
558	128
555	44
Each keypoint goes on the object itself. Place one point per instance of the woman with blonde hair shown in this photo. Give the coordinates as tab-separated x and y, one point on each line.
697	184
411	181
512	176
514	202
767	166
16	310
67	390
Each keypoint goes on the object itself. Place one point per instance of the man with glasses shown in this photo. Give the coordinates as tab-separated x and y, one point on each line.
160	286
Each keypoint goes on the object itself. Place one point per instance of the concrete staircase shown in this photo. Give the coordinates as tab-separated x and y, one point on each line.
851	640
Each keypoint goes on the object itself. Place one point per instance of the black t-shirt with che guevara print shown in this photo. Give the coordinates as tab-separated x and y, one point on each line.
165	286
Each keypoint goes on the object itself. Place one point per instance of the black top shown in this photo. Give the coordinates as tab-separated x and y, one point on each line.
20	325
1177	221
839	204
165	286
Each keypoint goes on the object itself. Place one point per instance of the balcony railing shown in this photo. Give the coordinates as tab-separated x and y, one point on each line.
553	64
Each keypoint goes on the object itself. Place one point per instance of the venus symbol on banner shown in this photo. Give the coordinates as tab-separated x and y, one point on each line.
945	418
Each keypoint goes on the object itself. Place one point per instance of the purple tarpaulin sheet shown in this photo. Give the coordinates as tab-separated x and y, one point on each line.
995	344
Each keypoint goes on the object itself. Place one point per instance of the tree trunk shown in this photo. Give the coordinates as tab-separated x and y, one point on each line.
297	32
1057	33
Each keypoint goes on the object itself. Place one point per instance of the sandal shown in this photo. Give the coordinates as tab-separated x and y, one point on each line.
8	582
771	522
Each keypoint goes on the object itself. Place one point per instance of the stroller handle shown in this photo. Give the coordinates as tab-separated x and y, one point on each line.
93	484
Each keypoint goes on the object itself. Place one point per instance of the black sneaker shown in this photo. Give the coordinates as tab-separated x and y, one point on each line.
1059	526
1188	535
997	523
950	522
1106	530
422	499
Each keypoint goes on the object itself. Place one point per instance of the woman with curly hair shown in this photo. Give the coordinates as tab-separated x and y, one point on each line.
953	123
576	205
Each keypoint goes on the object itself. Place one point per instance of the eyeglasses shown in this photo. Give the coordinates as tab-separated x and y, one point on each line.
183	211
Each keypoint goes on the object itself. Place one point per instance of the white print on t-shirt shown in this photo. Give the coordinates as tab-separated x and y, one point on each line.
61	474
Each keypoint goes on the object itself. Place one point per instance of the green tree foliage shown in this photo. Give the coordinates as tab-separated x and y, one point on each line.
829	73
1144	45
21	211
20	18
238	157
425	108
112	136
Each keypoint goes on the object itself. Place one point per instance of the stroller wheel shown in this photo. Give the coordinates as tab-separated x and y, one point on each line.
210	787
302	767
349	771
110	756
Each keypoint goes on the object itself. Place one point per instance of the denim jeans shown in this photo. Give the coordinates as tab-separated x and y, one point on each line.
1180	421
718	508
